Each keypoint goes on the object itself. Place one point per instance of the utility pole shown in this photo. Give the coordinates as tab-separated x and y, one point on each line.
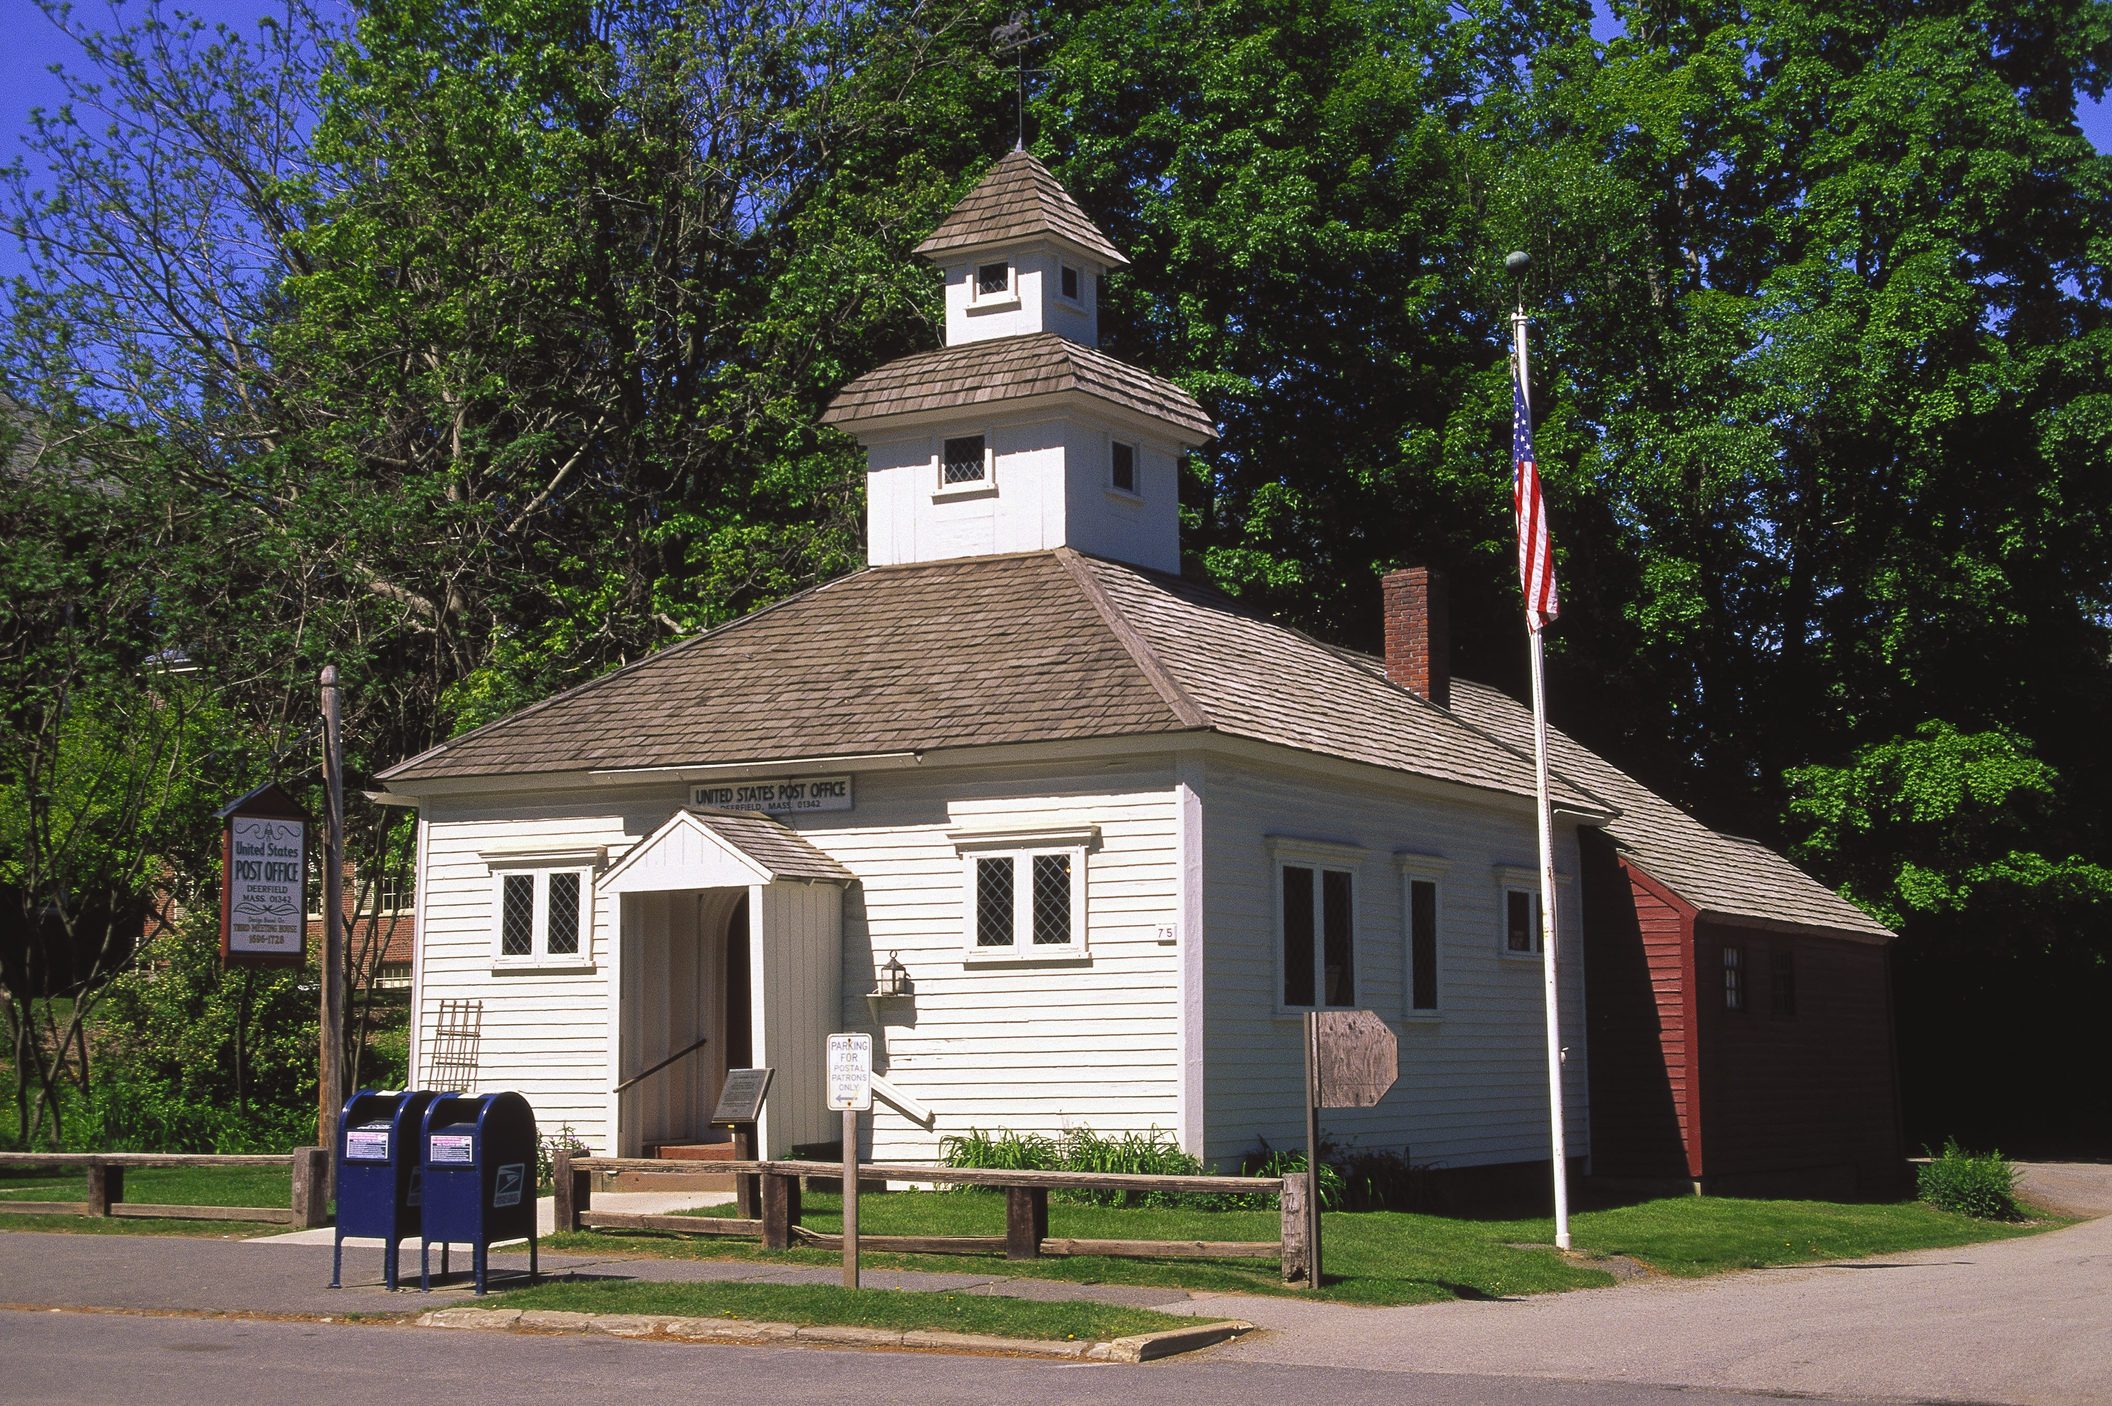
330	1082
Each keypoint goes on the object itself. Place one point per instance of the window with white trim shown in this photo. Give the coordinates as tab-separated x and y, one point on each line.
1023	893
964	461
1122	467
542	916
1316	923
1518	926
1420	975
993	281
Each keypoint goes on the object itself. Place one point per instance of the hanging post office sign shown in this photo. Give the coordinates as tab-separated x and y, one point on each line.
264	879
789	795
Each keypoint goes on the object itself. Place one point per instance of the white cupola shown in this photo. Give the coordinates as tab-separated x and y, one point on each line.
1020	435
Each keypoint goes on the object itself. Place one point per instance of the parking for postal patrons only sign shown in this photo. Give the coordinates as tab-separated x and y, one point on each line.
851	1073
264	879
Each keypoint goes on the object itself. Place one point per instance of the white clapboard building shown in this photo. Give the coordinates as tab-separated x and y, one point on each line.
1119	832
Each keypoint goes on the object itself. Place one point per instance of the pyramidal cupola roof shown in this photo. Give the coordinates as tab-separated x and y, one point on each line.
1018	199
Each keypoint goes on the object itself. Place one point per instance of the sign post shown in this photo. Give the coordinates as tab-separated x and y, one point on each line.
330	1081
851	1091
1351	1060
740	1107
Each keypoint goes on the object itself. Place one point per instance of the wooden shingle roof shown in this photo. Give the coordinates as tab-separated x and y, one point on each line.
773	844
1040	647
1723	876
1010	369
1018	198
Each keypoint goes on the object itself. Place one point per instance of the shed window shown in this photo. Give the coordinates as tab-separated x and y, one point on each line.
1122	467
1318	935
965	459
1733	979
541	916
1784	973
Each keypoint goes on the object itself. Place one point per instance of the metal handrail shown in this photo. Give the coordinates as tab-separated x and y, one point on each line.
699	1044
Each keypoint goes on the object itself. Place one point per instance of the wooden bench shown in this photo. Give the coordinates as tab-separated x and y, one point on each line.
1026	1209
106	1185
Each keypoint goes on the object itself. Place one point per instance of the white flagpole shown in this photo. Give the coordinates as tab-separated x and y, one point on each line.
1547	868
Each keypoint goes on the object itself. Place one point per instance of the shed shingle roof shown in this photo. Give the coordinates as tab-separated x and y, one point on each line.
1723	876
1018	198
1042	647
1012	369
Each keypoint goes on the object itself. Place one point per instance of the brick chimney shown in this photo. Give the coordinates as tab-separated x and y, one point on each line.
1419	633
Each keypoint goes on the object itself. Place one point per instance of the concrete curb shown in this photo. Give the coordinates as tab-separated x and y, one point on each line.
1141	1347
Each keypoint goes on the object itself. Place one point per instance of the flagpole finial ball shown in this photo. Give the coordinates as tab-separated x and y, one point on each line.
1515	262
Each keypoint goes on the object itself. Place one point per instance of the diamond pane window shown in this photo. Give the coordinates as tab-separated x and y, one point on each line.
564	915
1068	281
993	902
517	922
1052	900
964	460
992	280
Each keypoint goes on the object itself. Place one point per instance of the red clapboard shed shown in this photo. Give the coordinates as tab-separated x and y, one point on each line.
1738	1012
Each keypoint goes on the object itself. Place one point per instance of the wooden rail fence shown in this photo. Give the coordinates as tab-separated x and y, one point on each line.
1026	1209
106	1185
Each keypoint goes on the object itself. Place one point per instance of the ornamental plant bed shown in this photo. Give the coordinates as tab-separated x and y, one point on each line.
1056	1320
1379	1257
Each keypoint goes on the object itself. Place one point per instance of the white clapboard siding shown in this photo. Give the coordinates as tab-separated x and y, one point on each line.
1473	1084
1034	1047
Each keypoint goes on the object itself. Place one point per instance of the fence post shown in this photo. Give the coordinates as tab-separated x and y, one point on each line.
311	1187
572	1190
1297	1254
1026	1221
106	1187
780	1209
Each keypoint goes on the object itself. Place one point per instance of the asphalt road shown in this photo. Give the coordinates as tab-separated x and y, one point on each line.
59	1358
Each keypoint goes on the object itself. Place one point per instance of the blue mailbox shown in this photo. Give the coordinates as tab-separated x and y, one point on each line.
479	1154
378	1170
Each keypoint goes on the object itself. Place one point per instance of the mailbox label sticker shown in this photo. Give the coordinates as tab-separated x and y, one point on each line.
366	1145
454	1147
507	1190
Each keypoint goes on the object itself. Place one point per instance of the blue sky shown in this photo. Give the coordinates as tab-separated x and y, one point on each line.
33	44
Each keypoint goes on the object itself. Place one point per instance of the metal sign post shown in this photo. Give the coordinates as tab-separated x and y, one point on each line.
740	1107
330	1080
1351	1060
850	1090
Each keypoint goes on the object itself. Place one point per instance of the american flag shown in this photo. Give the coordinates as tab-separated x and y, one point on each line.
1536	559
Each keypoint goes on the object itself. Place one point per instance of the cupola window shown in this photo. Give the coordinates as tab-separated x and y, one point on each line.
993	280
1068	282
965	460
1122	467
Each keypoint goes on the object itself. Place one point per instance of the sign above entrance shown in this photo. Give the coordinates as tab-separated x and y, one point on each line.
851	1072
788	796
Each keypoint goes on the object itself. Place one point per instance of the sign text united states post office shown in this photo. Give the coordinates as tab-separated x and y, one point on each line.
776	797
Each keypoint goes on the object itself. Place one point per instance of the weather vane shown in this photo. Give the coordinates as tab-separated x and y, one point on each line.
1012	39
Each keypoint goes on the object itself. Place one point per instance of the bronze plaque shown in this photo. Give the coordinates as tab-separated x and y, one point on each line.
741	1101
1358	1058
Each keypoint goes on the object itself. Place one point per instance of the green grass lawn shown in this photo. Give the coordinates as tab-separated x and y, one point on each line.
169	1186
1381	1257
830	1303
172	1186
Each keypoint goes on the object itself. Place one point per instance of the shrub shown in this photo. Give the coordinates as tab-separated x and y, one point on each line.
1151	1153
548	1145
1267	1161
1982	1187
